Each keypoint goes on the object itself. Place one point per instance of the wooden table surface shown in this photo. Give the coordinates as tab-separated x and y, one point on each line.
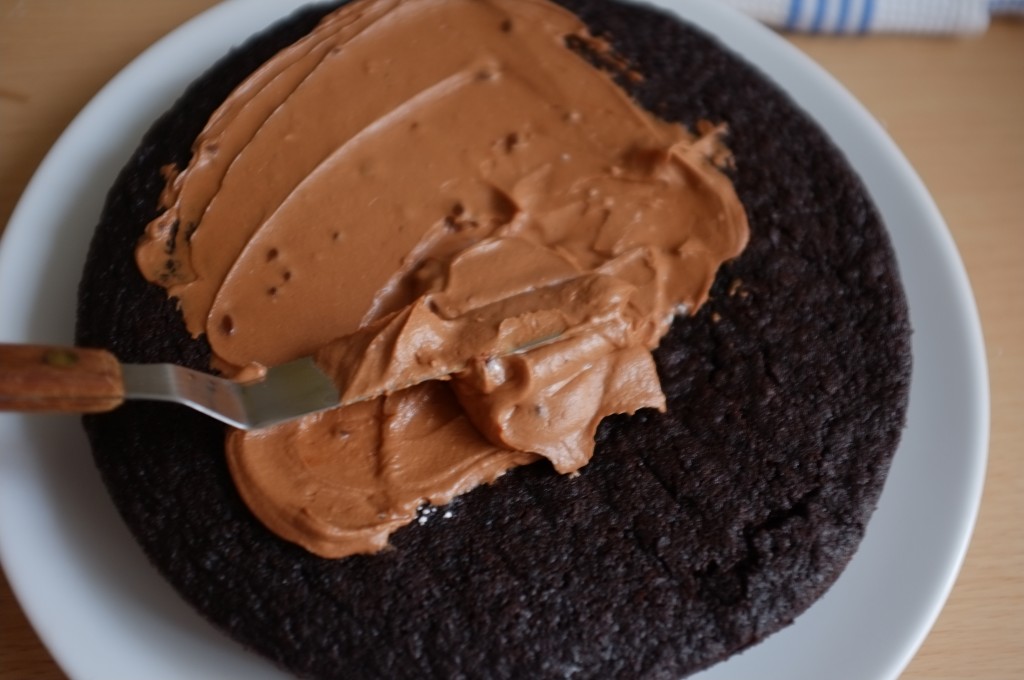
954	105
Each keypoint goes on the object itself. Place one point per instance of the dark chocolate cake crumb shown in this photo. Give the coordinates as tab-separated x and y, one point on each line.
690	536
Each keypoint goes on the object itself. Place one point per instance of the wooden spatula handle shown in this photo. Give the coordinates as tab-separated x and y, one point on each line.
39	378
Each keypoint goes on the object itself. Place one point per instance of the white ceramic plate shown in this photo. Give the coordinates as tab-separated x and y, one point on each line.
104	612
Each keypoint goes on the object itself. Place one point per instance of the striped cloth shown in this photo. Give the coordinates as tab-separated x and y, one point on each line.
878	16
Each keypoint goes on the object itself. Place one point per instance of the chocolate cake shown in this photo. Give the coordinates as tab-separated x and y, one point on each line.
690	536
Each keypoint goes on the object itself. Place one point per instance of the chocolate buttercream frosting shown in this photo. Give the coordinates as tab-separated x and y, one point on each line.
491	232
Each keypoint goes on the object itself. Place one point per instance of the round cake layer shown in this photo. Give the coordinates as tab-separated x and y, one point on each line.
690	536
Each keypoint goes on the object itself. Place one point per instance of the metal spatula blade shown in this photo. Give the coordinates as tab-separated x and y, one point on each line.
287	391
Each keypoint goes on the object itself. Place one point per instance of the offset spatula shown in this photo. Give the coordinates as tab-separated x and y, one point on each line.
77	380
74	379
71	379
